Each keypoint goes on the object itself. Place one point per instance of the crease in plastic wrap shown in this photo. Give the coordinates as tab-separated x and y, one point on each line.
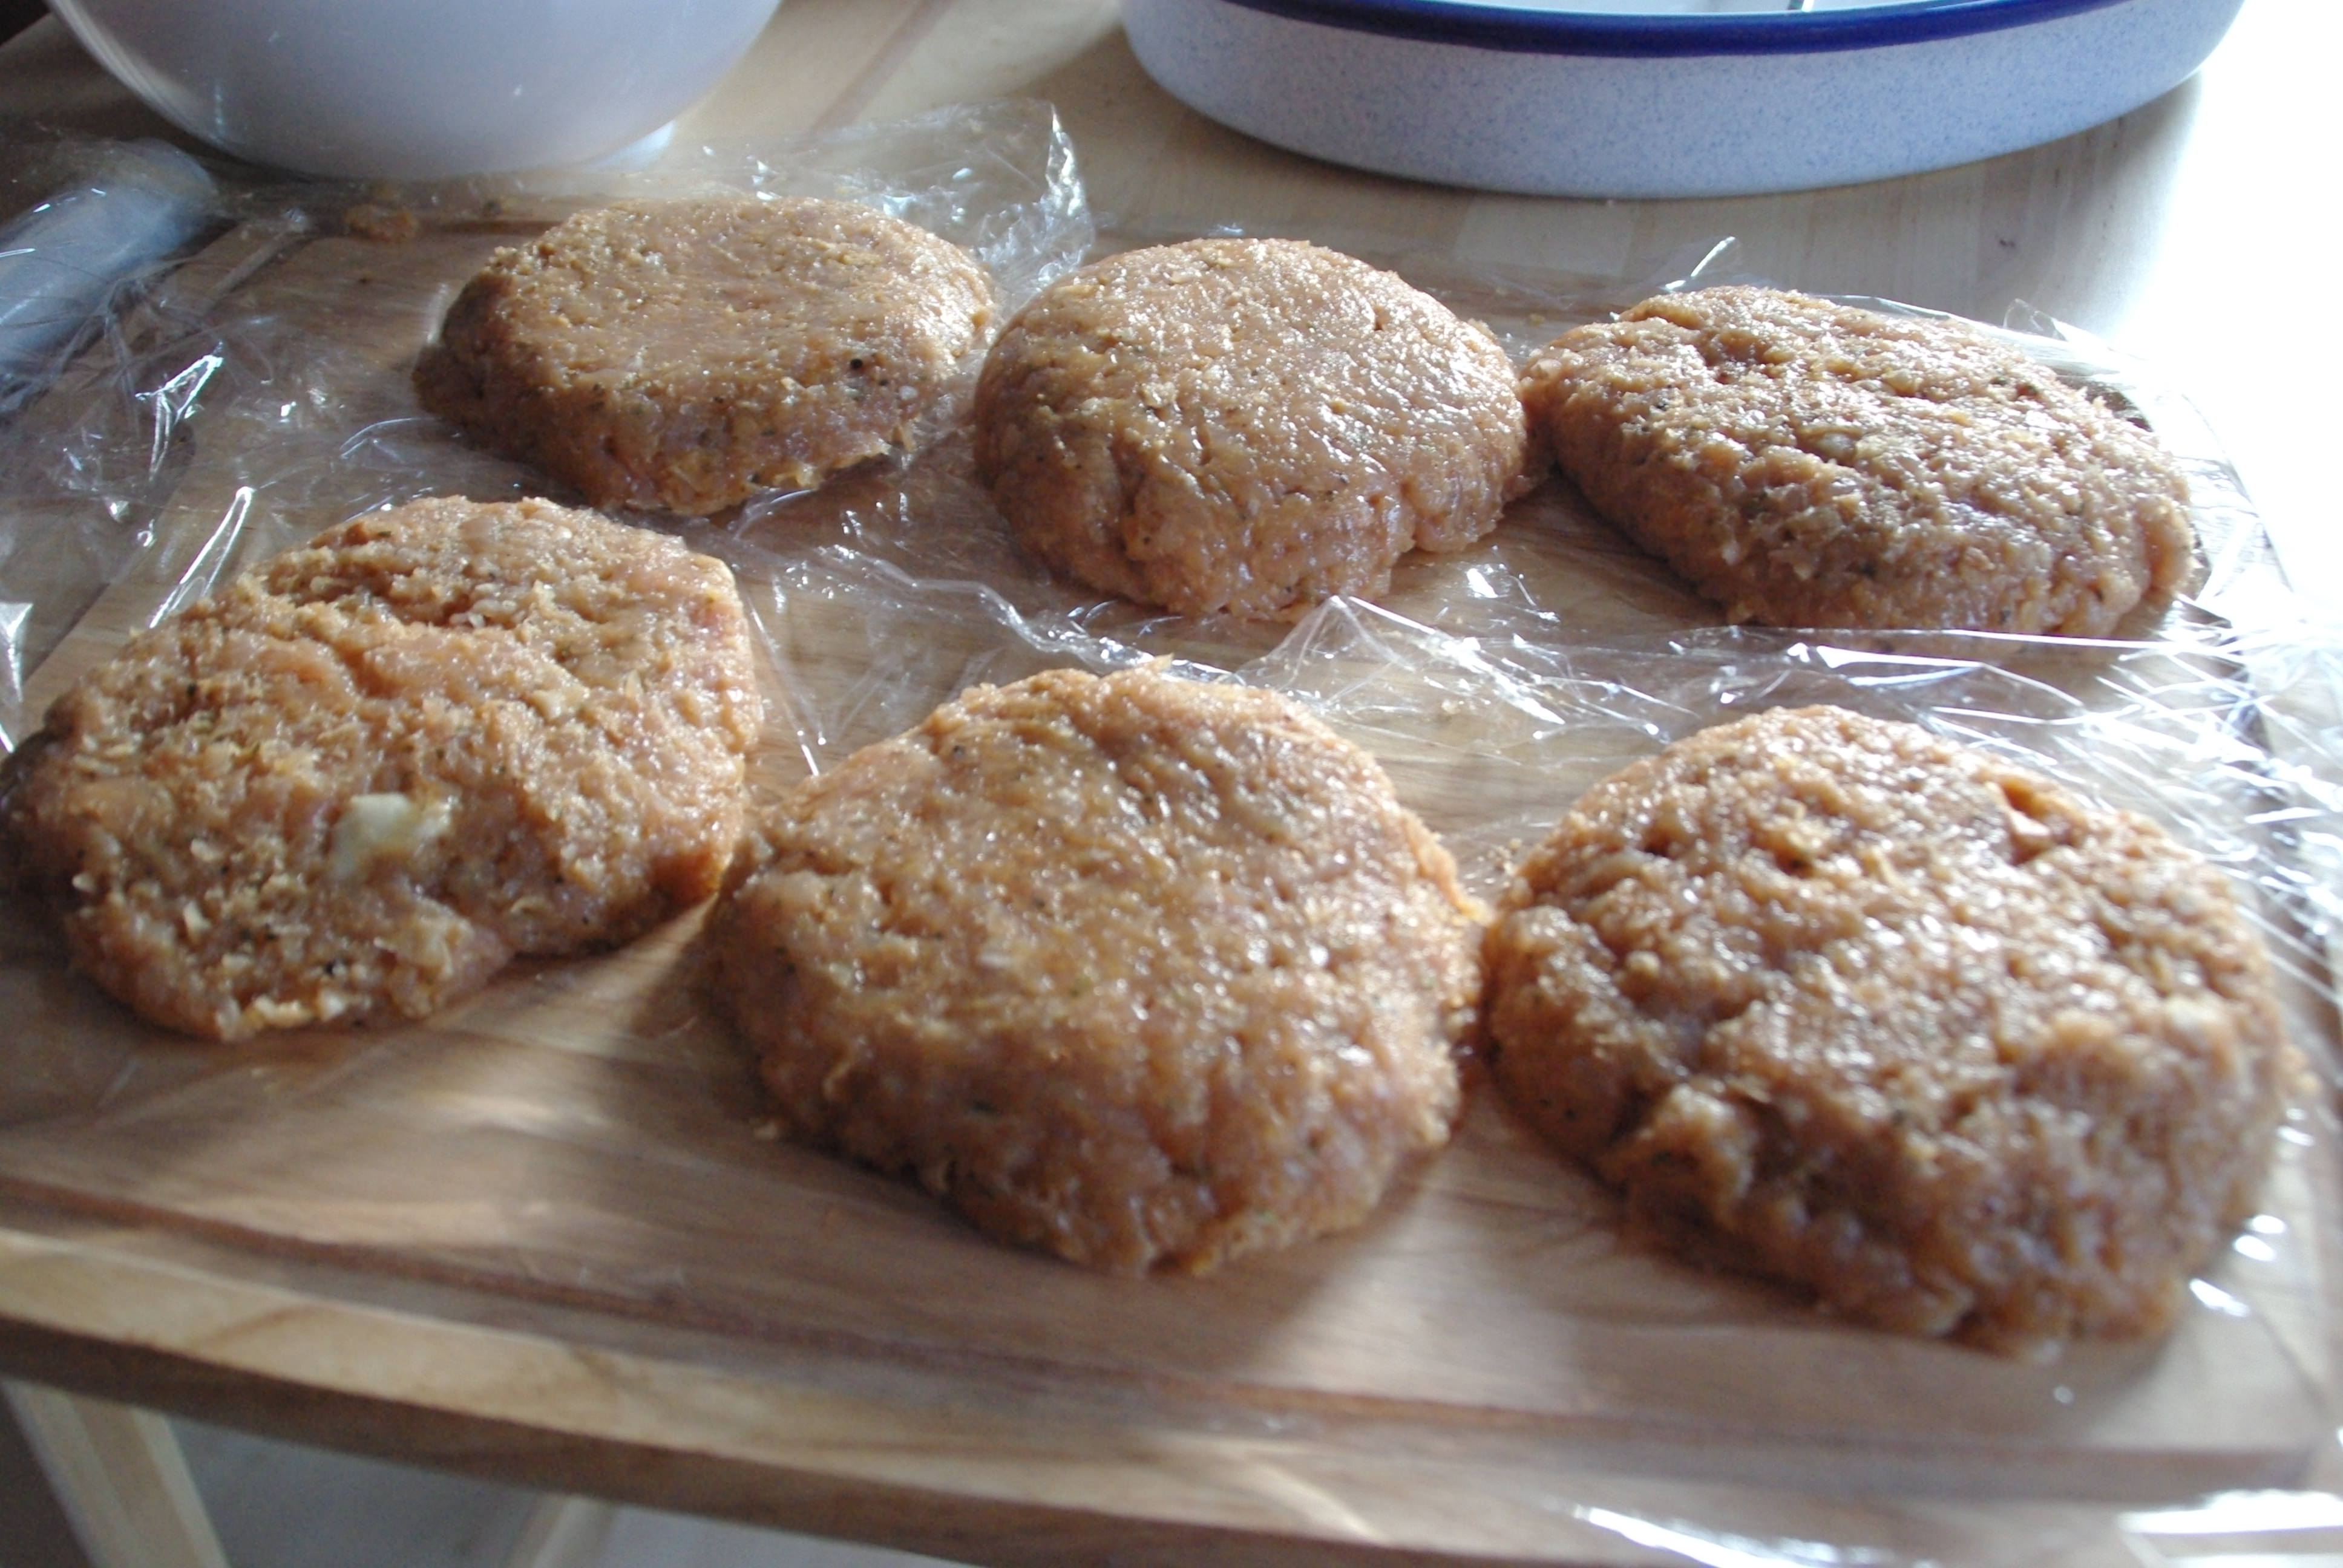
584	1135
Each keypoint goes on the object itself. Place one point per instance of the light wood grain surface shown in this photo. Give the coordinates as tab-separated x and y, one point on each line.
596	1278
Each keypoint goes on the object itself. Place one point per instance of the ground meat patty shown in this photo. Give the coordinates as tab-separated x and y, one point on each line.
1247	426
680	355
1866	1010
1807	464
1141	971
364	775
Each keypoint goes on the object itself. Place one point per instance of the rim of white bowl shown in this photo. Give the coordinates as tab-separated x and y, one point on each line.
1518	30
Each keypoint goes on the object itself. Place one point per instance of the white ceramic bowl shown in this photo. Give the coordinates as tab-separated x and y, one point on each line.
1667	97
416	89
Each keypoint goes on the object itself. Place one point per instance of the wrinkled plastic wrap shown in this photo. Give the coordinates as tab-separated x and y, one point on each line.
126	212
584	1134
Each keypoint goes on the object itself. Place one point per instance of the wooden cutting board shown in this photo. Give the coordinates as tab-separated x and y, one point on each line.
546	1235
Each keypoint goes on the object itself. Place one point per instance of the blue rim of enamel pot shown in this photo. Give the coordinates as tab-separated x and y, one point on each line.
1784	32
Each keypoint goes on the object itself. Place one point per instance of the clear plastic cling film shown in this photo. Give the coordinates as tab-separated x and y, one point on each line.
258	392
199	419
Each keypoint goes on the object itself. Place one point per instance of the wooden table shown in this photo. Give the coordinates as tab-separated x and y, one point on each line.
2188	233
